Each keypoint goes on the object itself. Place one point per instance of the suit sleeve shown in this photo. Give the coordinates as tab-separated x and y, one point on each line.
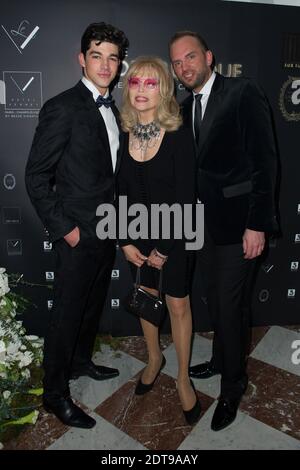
260	149
185	180
51	138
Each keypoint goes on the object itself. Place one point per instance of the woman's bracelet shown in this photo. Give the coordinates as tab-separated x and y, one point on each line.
159	255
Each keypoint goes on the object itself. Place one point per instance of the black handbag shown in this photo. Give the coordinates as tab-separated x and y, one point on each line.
143	304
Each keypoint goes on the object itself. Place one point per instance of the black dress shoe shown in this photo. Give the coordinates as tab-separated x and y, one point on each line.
142	388
68	413
193	415
225	413
203	371
95	372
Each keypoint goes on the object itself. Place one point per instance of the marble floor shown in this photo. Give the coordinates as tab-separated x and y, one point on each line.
268	418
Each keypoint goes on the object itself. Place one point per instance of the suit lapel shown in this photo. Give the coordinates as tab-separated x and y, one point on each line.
211	110
97	118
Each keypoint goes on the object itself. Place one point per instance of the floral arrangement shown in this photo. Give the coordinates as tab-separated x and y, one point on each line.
20	356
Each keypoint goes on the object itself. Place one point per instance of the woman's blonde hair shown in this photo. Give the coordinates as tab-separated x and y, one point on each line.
168	112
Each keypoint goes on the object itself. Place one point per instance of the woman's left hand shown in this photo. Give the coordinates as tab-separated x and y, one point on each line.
156	260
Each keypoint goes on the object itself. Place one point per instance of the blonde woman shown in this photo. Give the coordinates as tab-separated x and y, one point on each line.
158	166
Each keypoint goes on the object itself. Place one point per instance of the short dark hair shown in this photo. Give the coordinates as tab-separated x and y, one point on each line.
101	32
193	34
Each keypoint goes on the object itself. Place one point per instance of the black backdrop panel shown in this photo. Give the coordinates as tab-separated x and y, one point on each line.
39	43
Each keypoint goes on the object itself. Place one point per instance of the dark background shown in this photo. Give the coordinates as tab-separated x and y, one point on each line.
254	36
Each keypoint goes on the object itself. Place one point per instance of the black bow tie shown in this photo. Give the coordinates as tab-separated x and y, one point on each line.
107	102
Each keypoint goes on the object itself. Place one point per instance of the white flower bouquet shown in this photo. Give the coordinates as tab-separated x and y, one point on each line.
20	354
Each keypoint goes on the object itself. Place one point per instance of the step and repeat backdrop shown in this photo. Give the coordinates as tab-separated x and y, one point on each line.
39	43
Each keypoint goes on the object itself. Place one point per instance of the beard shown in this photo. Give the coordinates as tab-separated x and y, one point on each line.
200	80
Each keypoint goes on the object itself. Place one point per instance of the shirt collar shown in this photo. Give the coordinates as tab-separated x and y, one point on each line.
208	85
92	88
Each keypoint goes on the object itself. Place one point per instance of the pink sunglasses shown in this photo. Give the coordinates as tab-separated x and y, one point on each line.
148	83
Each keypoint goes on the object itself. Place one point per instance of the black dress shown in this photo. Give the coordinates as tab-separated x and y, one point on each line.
169	177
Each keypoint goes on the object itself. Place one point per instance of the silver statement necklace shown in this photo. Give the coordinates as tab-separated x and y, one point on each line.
144	136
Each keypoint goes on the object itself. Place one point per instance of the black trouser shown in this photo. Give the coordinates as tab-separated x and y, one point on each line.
228	280
82	280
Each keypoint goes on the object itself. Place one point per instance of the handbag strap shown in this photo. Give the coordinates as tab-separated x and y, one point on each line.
138	281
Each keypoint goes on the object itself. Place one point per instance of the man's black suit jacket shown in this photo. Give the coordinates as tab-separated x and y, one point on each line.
69	170
236	160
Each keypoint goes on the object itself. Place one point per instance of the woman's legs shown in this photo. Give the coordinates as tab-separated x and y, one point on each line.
181	324
154	353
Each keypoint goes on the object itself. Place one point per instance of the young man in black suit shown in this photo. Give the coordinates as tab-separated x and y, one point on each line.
230	121
76	148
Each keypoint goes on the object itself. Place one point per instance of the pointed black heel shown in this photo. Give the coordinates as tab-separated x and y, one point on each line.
193	415
142	388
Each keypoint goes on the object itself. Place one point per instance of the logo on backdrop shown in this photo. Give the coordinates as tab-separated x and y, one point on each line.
297	238
294	265
23	94
9	181
14	247
11	215
267	267
291	293
115	303
21	35
115	274
49	275
289	99
227	70
47	246
49	304
264	295
124	68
